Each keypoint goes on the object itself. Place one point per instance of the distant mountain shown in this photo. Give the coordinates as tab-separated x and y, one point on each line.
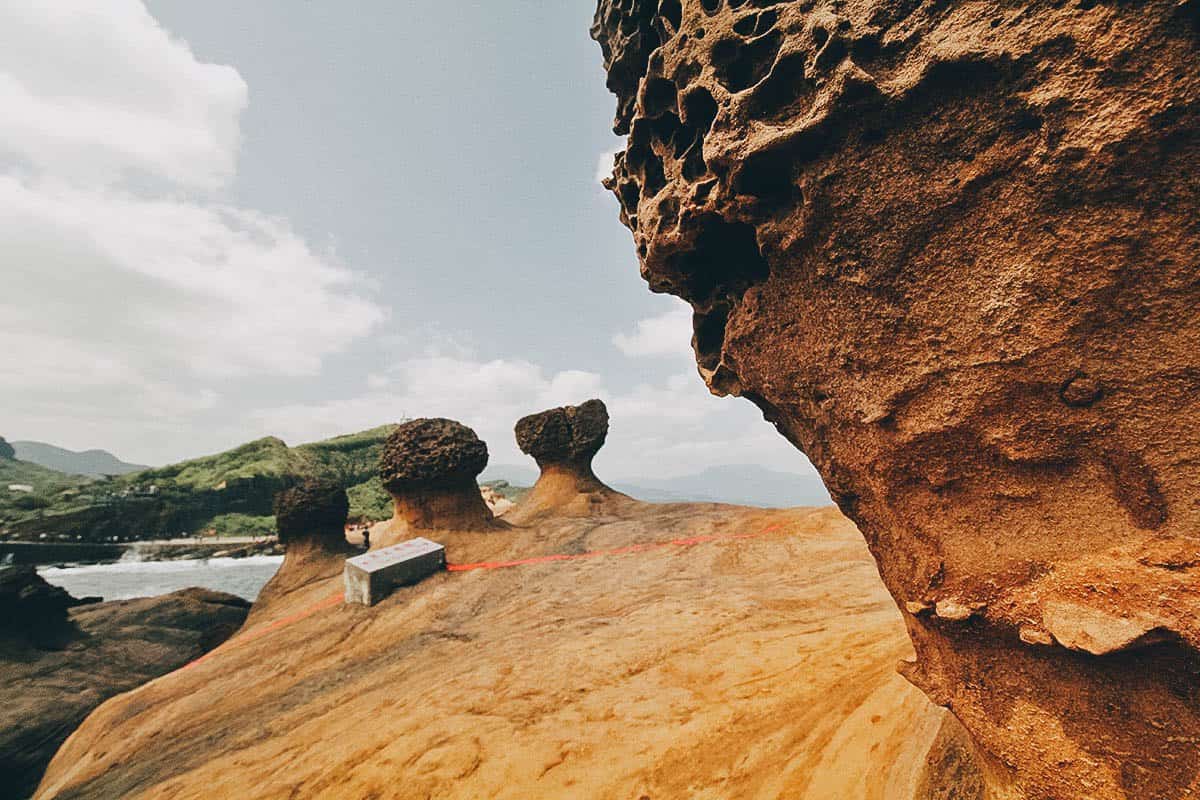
92	463
743	484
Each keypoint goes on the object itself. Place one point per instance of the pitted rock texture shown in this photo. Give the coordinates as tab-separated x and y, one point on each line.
950	250
312	510
567	435
431	452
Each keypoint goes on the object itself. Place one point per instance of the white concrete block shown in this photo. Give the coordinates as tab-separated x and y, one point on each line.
372	576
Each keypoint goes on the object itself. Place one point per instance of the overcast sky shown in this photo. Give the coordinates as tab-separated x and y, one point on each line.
222	220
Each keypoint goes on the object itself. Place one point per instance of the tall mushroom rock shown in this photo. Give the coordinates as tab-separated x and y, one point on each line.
949	249
430	466
563	441
310	518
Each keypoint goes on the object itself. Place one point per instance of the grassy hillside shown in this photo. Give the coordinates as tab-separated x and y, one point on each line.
230	492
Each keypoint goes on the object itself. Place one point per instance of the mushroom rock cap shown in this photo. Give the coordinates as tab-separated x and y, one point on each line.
431	452
311	508
566	434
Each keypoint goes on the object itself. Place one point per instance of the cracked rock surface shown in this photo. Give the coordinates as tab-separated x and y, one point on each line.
571	434
950	250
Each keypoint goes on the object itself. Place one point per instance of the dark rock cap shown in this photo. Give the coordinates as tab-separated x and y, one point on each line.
431	452
570	434
6	449
311	508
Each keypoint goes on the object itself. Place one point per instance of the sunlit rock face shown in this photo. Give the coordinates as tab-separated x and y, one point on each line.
952	251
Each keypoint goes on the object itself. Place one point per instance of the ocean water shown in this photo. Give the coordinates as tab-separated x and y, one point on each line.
125	579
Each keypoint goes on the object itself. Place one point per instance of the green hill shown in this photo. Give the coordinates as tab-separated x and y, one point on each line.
230	492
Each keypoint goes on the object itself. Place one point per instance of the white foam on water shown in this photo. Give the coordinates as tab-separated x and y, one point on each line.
125	579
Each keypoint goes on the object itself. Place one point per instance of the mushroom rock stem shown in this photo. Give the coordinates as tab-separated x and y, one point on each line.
457	507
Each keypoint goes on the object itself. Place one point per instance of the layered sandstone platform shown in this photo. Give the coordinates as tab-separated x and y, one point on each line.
950	250
760	667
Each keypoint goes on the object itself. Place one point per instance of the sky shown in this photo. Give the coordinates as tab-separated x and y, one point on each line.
227	220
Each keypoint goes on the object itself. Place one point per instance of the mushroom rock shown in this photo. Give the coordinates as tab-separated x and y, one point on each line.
563	442
430	466
949	250
311	520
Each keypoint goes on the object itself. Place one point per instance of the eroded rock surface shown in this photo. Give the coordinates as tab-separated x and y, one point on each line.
429	466
310	518
312	510
566	435
563	441
58	662
950	250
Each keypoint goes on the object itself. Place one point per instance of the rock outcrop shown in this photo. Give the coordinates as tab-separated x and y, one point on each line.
950	251
59	660
429	467
31	608
563	441
663	672
310	518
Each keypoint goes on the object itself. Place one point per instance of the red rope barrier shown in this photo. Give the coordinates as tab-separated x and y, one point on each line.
690	541
328	602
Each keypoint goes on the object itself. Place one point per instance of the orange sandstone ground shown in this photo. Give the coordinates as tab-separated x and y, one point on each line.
753	668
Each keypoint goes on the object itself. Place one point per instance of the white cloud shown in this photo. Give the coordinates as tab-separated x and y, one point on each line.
668	334
670	428
91	90
213	291
128	301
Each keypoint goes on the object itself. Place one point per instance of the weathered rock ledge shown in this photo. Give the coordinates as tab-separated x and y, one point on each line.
950	251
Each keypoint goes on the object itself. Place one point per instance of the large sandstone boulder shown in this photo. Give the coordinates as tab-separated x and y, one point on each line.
563	441
950	250
429	466
59	660
566	435
312	510
431	452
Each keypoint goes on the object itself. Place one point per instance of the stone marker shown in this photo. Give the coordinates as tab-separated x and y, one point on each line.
372	576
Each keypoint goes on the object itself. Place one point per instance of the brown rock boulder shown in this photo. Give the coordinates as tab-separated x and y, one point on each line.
563	442
950	251
567	435
311	520
429	466
99	650
312	510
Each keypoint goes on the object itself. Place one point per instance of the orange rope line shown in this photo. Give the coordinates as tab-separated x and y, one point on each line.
690	541
333	600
